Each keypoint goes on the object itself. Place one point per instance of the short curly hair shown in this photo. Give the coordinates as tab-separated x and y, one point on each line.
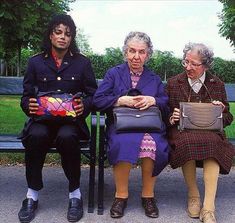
206	53
138	36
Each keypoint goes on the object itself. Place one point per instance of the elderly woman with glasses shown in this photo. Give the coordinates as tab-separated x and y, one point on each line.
124	149
199	148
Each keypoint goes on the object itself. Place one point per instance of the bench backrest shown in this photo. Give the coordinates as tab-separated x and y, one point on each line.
13	86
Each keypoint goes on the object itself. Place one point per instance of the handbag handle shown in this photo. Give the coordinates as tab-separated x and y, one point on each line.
205	124
189	97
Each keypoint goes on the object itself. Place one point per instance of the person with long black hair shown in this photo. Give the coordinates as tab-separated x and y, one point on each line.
59	68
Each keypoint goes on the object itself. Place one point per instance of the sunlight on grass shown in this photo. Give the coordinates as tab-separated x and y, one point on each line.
230	130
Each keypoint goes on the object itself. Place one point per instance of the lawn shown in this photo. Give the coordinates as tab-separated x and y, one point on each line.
230	130
11	116
12	120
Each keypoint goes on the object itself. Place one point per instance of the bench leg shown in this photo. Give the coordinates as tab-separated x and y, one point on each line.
91	193
101	177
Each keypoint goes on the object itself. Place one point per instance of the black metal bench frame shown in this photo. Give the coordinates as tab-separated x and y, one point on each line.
230	89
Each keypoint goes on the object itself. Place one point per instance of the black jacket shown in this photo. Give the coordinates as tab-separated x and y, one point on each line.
74	75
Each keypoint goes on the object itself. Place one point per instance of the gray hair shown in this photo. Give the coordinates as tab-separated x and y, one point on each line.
203	51
138	36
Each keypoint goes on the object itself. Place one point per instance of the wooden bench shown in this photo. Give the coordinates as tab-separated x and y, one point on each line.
230	89
10	143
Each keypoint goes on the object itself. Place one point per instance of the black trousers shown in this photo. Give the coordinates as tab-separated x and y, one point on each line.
39	139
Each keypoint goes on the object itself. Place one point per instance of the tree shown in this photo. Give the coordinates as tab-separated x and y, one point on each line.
227	17
22	24
82	42
112	57
165	64
101	63
224	70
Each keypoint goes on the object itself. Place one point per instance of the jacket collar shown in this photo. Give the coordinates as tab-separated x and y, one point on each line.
67	61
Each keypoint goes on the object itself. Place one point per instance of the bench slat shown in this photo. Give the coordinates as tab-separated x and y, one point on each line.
10	143
232	140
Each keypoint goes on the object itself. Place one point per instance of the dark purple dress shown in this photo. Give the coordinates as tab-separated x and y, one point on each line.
126	146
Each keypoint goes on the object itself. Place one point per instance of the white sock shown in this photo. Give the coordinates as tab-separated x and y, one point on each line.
32	194
75	194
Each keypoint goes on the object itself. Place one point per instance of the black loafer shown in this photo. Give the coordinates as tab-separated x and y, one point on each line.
150	207
27	211
118	207
75	210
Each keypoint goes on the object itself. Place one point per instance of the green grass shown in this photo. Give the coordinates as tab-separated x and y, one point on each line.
12	121
11	116
230	130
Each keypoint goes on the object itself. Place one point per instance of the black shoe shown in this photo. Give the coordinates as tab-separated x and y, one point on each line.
118	207
27	211
150	207
75	210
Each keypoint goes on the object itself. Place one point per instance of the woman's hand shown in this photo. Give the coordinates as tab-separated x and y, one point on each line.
125	101
218	103
79	107
175	116
144	102
33	106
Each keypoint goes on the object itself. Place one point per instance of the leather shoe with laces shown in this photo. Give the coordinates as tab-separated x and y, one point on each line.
150	207
118	207
75	210
27	211
194	207
207	216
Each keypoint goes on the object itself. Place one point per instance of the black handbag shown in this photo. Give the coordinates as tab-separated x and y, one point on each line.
200	116
56	107
134	120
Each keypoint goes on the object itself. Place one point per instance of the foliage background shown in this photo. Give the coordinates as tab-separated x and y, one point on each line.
22	24
227	17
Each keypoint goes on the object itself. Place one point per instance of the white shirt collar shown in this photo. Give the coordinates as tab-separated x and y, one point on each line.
196	84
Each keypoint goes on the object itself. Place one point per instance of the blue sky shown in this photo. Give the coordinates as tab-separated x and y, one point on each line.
170	23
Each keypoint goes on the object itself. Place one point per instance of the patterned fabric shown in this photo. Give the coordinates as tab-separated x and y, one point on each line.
56	106
148	145
199	145
134	79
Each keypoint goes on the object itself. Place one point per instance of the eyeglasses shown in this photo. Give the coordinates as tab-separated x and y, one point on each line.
185	63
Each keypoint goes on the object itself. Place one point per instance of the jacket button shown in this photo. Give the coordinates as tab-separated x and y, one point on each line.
58	78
